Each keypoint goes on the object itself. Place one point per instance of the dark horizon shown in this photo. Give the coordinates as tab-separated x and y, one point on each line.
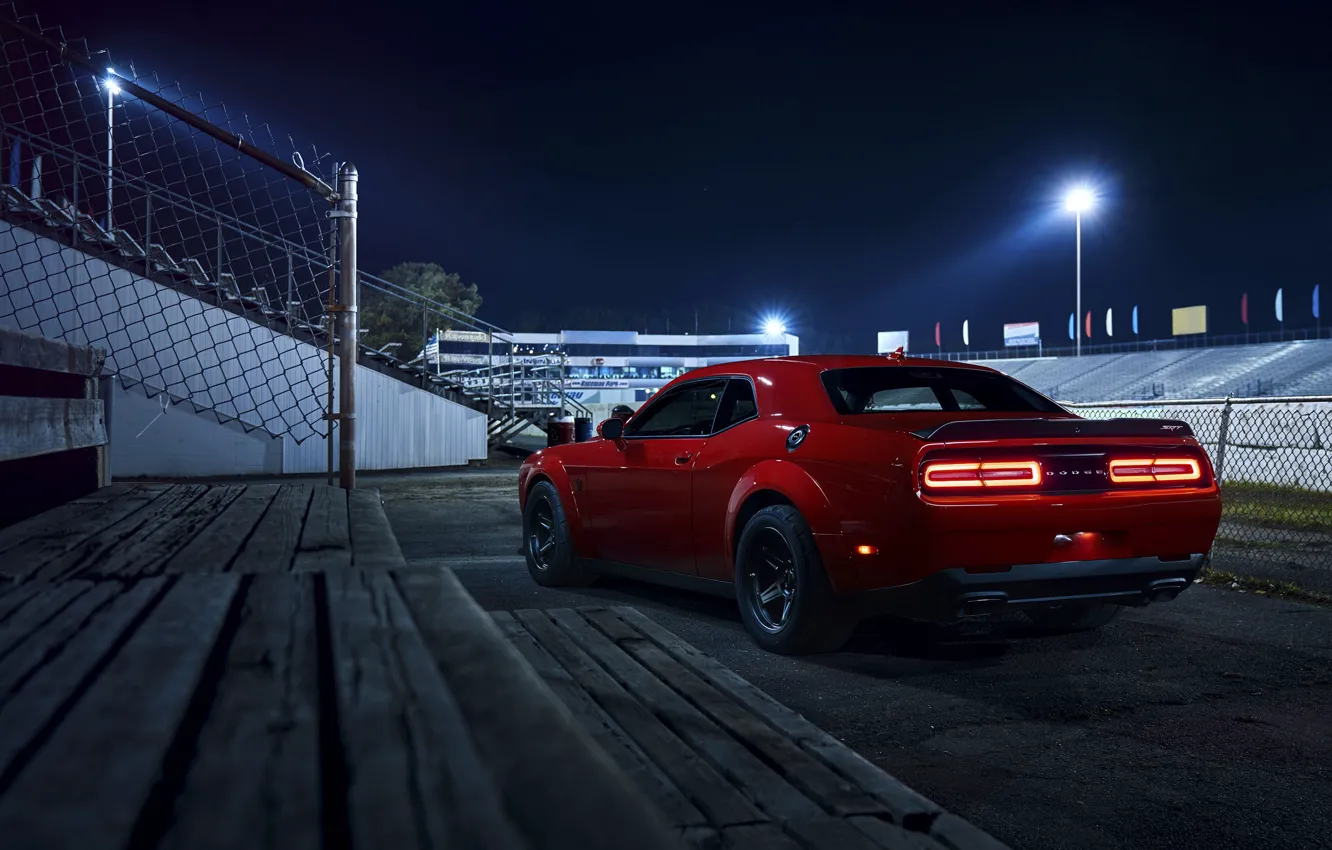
854	172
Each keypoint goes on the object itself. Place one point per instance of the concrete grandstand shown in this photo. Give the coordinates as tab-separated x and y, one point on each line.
1276	369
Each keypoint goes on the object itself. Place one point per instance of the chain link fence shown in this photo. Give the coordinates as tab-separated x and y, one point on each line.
1273	457
153	223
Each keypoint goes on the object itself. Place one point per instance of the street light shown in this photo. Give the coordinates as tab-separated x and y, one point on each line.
1078	200
112	89
774	327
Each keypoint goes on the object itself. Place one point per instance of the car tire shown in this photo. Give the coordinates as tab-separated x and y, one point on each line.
1074	618
807	617
547	546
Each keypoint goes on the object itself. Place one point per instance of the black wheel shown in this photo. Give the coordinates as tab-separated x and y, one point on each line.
550	555
1074	617
786	601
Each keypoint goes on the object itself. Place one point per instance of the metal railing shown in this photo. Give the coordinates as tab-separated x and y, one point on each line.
1273	458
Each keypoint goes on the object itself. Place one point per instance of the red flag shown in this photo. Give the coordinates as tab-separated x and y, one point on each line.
1244	308
937	341
1089	325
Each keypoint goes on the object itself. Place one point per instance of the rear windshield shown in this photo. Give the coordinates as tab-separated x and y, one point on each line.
895	389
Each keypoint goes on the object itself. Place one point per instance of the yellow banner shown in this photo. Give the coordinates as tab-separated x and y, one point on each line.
1189	320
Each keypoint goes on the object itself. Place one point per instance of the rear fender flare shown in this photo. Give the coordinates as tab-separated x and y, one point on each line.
794	483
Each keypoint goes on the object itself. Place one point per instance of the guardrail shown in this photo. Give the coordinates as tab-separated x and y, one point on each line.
1273	457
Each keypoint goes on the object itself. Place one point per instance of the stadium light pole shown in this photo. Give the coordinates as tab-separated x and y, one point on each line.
112	89
1078	200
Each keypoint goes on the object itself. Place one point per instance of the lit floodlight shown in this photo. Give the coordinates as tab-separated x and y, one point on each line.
774	327
110	82
1079	199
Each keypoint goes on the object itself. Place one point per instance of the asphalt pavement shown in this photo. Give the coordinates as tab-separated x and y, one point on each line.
1201	723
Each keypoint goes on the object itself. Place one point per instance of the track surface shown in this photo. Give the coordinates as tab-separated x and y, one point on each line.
1203	723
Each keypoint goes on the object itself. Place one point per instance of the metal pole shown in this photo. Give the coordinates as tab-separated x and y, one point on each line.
332	303
148	235
110	148
425	347
1221	442
74	235
1077	315
490	367
346	216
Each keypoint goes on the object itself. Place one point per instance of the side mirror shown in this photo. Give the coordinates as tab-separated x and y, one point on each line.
611	429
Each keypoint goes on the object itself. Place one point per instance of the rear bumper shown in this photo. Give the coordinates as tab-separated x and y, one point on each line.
953	593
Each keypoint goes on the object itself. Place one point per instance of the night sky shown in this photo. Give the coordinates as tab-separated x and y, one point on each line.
857	171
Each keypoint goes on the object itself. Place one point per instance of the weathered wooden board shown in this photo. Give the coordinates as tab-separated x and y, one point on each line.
39	426
69	515
675	808
272	545
155	543
255	781
720	801
90	784
215	547
908	808
413	777
32	351
325	541
558	788
373	545
56	540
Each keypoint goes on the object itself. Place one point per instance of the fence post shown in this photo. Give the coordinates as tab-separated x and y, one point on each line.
1221	444
148	235
490	369
351	285
425	346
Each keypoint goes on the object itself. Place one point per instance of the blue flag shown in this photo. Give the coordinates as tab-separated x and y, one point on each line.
1135	319
1070	326
1316	316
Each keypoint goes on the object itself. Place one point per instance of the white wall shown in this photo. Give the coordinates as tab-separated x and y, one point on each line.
216	365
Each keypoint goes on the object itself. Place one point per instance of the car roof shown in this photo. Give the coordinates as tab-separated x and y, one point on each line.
822	362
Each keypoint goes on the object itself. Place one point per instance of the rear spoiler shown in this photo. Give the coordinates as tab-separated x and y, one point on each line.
1010	429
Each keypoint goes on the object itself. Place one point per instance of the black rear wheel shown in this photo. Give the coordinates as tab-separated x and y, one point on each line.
786	601
551	559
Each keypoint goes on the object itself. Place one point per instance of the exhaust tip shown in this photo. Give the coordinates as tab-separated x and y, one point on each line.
986	603
1167	589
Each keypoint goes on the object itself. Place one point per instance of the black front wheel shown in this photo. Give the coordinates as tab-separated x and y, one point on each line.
786	601
551	559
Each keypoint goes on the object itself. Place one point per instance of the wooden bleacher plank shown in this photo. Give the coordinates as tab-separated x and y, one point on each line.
545	767
88	785
91	554
404	739
155	545
325	540
28	619
30	427
718	799
272	546
51	539
255	782
65	516
373	545
215	547
28	350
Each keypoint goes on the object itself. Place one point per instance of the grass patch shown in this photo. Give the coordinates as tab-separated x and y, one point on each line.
1275	506
1264	587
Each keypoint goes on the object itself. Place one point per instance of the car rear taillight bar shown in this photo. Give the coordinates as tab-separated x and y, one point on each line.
944	475
1164	470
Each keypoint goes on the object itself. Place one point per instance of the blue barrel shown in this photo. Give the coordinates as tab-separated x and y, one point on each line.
560	430
582	429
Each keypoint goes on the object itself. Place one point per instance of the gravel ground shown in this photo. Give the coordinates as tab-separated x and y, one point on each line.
1201	723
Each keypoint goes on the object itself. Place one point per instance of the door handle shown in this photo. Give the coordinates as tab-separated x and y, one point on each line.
683	459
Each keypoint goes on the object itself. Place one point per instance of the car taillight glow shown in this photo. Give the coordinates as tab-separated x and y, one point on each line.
1153	470
1015	473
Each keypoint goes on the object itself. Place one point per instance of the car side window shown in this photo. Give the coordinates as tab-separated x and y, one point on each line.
904	398
686	412
737	404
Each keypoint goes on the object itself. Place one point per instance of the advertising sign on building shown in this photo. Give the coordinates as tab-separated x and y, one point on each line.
890	341
1022	333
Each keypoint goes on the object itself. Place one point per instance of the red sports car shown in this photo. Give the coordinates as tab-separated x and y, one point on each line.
819	490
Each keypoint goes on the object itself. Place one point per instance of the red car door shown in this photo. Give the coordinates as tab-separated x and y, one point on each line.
731	450
640	496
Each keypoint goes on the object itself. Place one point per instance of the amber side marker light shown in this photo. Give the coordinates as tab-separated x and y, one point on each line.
866	550
1006	473
1164	470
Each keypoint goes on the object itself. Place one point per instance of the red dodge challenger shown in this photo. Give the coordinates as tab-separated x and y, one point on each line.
820	490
